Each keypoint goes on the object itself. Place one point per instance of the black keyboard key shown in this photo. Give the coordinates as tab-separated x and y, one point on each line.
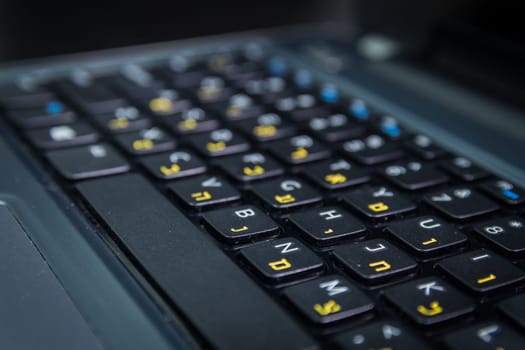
329	93
482	270
426	234
137	82
327	224
461	203
266	127
378	201
88	161
328	299
204	191
424	147
165	102
505	192
371	150
413	175
241	224
375	260
282	259
486	336
464	168
506	233
267	89
219	142
190	121
16	97
335	127
60	136
146	141
299	149
137	85
123	119
390	128
286	193
515	309
172	251
173	165
93	97
213	88
359	110
277	66
335	174
52	113
251	166
429	300
301	108
238	107
380	335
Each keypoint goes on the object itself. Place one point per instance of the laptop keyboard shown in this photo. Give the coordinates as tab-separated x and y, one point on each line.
255	196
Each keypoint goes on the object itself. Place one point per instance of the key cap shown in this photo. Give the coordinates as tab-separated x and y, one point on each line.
173	165
277	66
359	110
266	127
94	97
429	300
413	175
506	233
302	107
299	149
60	136
328	93
286	193
268	89
282	259
464	169
372	150
87	161
191	121
140	88
422	146
505	192
137	82
51	114
219	142
375	260
123	119
481	270
461	203
184	71
426	234
251	166
212	88
485	336
303	79
379	335
165	102
515	309
378	202
146	141
335	127
335	174
328	299
238	107
389	127
204	191
327	224
16	97
172	251
241	224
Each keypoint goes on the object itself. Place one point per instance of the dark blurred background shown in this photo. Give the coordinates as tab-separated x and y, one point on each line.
30	28
458	39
